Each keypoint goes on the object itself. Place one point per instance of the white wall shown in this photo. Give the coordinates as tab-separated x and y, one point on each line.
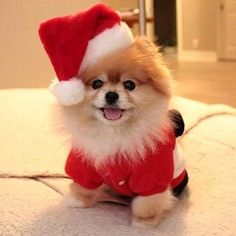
119	4
199	21
23	63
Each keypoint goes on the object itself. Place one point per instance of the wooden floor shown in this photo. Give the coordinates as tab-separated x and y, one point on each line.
210	82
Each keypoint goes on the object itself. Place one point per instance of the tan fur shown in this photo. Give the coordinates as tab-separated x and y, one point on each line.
149	210
85	197
143	120
140	61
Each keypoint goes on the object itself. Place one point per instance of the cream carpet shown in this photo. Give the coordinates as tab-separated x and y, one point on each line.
32	179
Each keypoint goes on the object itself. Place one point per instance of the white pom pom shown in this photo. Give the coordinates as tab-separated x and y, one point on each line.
68	93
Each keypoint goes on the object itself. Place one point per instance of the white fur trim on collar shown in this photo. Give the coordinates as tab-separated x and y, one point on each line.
110	40
68	93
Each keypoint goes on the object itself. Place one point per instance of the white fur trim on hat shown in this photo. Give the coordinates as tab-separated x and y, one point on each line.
68	93
110	40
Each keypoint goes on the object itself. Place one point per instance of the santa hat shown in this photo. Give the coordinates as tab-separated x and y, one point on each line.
76	42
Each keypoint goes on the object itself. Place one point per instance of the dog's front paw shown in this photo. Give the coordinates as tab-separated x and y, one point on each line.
148	211
145	222
80	197
72	202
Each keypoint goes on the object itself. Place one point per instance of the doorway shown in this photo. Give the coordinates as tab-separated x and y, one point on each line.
165	23
226	29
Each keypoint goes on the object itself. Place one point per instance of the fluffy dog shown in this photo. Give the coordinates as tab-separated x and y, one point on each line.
124	113
115	92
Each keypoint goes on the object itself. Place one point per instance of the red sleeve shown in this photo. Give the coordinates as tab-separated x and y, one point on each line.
155	173
82	171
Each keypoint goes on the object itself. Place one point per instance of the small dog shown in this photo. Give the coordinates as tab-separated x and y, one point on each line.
118	124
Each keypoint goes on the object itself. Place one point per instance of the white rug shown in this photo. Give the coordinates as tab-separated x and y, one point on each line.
30	148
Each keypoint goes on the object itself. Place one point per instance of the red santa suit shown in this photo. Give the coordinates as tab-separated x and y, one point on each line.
150	175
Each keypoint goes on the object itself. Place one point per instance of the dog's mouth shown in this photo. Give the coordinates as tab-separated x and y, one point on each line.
111	113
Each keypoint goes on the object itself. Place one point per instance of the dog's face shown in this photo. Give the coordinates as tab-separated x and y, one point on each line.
112	96
125	104
126	86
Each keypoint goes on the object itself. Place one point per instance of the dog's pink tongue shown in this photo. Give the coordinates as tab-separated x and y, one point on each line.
112	113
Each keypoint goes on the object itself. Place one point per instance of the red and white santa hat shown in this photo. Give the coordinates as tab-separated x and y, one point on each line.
77	41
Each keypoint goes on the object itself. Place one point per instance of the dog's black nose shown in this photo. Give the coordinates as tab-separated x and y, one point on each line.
111	97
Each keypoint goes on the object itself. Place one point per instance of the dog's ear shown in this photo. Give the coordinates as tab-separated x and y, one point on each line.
146	46
151	60
178	122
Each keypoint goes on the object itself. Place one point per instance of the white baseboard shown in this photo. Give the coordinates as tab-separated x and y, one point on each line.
191	55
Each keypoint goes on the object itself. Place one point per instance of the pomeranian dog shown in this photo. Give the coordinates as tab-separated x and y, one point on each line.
115	91
122	122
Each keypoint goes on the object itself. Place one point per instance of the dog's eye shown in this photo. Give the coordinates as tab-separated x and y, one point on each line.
97	84
129	85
